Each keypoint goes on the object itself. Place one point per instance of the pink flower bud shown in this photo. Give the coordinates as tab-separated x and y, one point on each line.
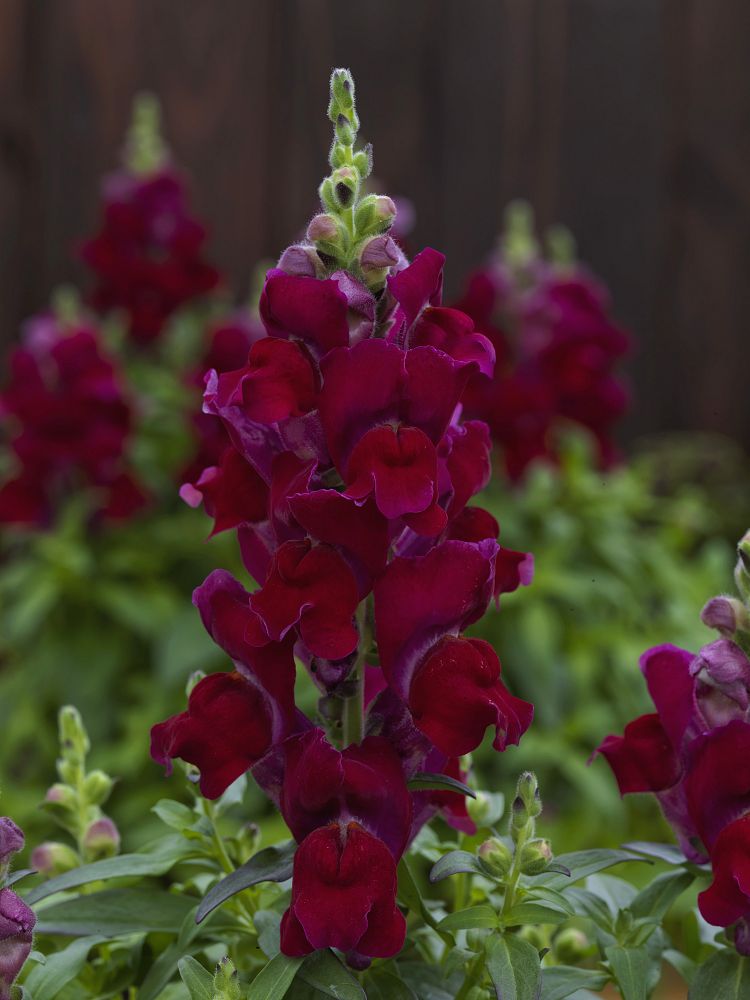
726	614
11	839
53	858
300	261
16	926
385	207
102	839
379	252
324	228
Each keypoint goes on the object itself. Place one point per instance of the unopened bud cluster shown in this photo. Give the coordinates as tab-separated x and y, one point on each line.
75	803
352	231
522	853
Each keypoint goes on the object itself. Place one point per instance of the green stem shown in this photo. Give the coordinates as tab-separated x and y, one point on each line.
354	707
515	870
225	861
473	977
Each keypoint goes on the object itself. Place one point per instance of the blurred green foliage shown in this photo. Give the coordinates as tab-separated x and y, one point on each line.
622	564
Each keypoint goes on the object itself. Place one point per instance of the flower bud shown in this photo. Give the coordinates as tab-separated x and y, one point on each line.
478	808
742	936
11	841
16	928
535	856
73	736
97	787
101	840
226	982
742	569
60	796
345	185
54	858
570	946
726	615
378	253
301	261
323	228
528	790
363	161
496	857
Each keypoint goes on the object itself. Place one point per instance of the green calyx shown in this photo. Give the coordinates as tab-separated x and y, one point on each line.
145	149
343	234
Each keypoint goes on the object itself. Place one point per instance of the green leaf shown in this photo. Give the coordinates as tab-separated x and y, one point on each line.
115	911
454	863
471	918
663	852
562	981
199	982
274	979
631	968
174	814
583	863
658	896
725	976
267	924
162	970
530	912
154	860
17	876
383	985
443	782
514	967
323	971
44	982
681	963
409	894
273	864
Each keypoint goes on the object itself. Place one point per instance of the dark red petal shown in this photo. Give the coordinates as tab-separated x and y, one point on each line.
642	758
278	382
727	899
398	465
672	689
358	529
418	285
456	693
305	308
232	493
225	730
718	782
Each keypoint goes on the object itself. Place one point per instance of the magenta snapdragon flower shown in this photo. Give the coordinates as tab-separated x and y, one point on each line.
16	917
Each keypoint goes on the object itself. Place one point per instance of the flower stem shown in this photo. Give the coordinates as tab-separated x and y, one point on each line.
354	707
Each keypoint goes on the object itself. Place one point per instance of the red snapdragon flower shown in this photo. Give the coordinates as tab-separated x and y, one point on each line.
556	349
68	422
686	754
147	257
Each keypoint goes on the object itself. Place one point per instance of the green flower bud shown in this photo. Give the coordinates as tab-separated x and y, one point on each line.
535	856
528	790
363	161
344	131
60	796
226	982
570	946
561	246
97	787
345	182
101	840
742	569
478	808
73	737
496	857
54	858
534	936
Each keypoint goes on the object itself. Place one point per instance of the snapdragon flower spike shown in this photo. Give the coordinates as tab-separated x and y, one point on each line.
349	479
69	424
147	257
556	346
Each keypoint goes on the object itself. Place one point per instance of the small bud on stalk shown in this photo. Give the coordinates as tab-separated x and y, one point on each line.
101	840
226	981
496	857
535	856
53	858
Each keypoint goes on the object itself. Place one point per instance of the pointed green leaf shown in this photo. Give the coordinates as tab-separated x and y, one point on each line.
583	863
658	896
441	782
531	912
725	976
273	864
325	973
514	967
199	982
662	852
631	968
44	982
274	979
470	918
115	911
154	860
562	981
454	863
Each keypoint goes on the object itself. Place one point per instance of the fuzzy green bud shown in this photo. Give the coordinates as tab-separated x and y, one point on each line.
528	791
145	150
97	787
345	182
73	736
60	796
226	981
323	228
571	946
535	856
496	857
362	161
54	858
478	808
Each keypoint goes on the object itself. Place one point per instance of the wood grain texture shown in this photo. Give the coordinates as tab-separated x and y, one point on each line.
628	120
